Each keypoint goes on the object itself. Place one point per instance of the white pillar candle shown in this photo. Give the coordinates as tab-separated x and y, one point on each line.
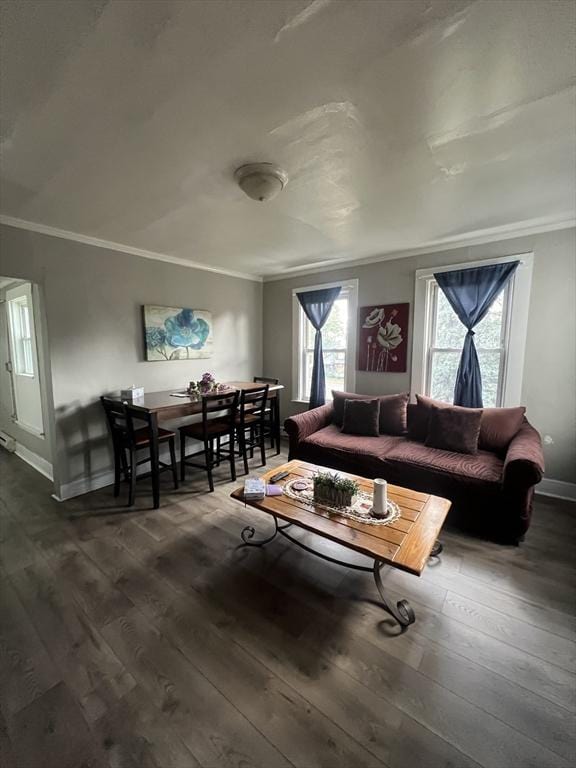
380	502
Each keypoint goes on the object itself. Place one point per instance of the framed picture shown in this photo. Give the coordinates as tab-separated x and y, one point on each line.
177	333
383	338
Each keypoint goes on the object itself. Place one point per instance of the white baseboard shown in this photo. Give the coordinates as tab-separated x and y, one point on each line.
85	485
559	489
41	465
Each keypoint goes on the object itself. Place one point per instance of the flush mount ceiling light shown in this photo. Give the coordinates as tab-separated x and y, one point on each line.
261	181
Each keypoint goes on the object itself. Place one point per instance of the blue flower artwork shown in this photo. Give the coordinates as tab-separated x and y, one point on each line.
174	333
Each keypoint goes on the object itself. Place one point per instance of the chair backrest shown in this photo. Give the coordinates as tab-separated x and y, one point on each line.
117	420
224	405
137	413
253	402
266	380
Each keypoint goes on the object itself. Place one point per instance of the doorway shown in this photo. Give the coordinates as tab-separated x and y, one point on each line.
23	403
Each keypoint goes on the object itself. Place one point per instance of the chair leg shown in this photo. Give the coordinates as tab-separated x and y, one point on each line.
133	470
117	470
172	447
231	456
124	464
242	446
252	438
262	432
208	456
276	411
182	456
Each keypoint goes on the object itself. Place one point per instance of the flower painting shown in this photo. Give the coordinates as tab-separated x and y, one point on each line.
383	338
174	333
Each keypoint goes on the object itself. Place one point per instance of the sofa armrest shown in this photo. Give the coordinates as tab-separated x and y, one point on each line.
524	462
304	424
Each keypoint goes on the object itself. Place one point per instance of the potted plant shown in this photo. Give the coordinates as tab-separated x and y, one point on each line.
334	490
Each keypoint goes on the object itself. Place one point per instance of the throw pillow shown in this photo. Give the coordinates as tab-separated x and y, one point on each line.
361	417
454	429
338	400
393	410
420	415
498	427
393	414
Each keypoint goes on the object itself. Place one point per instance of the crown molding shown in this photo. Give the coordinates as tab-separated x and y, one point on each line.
507	232
98	242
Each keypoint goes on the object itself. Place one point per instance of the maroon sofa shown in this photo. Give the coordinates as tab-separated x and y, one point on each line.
491	494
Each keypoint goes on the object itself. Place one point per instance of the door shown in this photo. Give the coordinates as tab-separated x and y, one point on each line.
23	364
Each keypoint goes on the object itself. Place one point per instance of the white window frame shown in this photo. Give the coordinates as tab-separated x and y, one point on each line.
22	342
514	331
349	289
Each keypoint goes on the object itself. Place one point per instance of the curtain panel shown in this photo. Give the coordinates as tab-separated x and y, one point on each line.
317	306
471	293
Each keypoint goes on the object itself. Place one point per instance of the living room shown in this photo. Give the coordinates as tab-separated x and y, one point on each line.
317	260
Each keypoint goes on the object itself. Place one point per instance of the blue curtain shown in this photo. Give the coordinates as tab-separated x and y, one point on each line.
317	306
471	293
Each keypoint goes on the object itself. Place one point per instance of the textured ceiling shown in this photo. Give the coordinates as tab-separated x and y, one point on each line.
401	124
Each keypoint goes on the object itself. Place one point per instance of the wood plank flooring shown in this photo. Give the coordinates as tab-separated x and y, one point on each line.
149	639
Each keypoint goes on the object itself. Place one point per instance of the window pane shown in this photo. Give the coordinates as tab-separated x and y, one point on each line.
335	369
490	369
444	366
335	331
450	332
489	330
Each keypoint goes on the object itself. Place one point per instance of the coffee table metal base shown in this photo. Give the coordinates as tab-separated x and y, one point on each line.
401	611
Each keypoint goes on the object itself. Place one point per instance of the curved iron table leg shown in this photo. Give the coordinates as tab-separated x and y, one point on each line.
248	533
437	548
402	611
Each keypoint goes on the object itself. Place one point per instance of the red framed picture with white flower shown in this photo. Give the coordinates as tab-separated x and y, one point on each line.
383	338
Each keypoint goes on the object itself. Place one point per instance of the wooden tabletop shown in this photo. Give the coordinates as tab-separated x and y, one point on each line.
405	543
156	402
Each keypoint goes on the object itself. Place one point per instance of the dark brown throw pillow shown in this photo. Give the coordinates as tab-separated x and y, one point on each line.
393	414
454	429
361	417
338	399
420	416
393	408
498	427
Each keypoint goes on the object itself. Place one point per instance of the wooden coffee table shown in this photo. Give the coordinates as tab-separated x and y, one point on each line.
407	543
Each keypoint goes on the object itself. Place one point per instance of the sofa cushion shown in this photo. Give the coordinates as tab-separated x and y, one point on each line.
361	417
483	466
499	426
454	429
332	448
393	410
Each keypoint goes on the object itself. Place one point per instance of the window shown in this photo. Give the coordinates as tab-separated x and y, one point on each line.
21	336
338	343
500	338
446	339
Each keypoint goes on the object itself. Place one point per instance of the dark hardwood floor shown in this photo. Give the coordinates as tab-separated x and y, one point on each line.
140	639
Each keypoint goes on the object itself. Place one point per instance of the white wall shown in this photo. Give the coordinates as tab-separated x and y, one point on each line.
93	299
549	377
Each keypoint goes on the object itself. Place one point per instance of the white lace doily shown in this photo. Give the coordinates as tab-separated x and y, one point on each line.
360	510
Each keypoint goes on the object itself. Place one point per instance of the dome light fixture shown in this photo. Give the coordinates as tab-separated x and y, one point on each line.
261	181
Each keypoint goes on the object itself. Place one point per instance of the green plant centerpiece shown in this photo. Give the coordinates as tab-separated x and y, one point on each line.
332	489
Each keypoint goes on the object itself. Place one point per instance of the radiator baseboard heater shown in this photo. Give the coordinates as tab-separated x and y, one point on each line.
7	442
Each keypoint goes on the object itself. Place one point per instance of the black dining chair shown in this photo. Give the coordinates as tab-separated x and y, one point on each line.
218	422
128	439
250	421
272	413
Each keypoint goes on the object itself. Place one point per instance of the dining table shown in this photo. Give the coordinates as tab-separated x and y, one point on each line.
176	403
